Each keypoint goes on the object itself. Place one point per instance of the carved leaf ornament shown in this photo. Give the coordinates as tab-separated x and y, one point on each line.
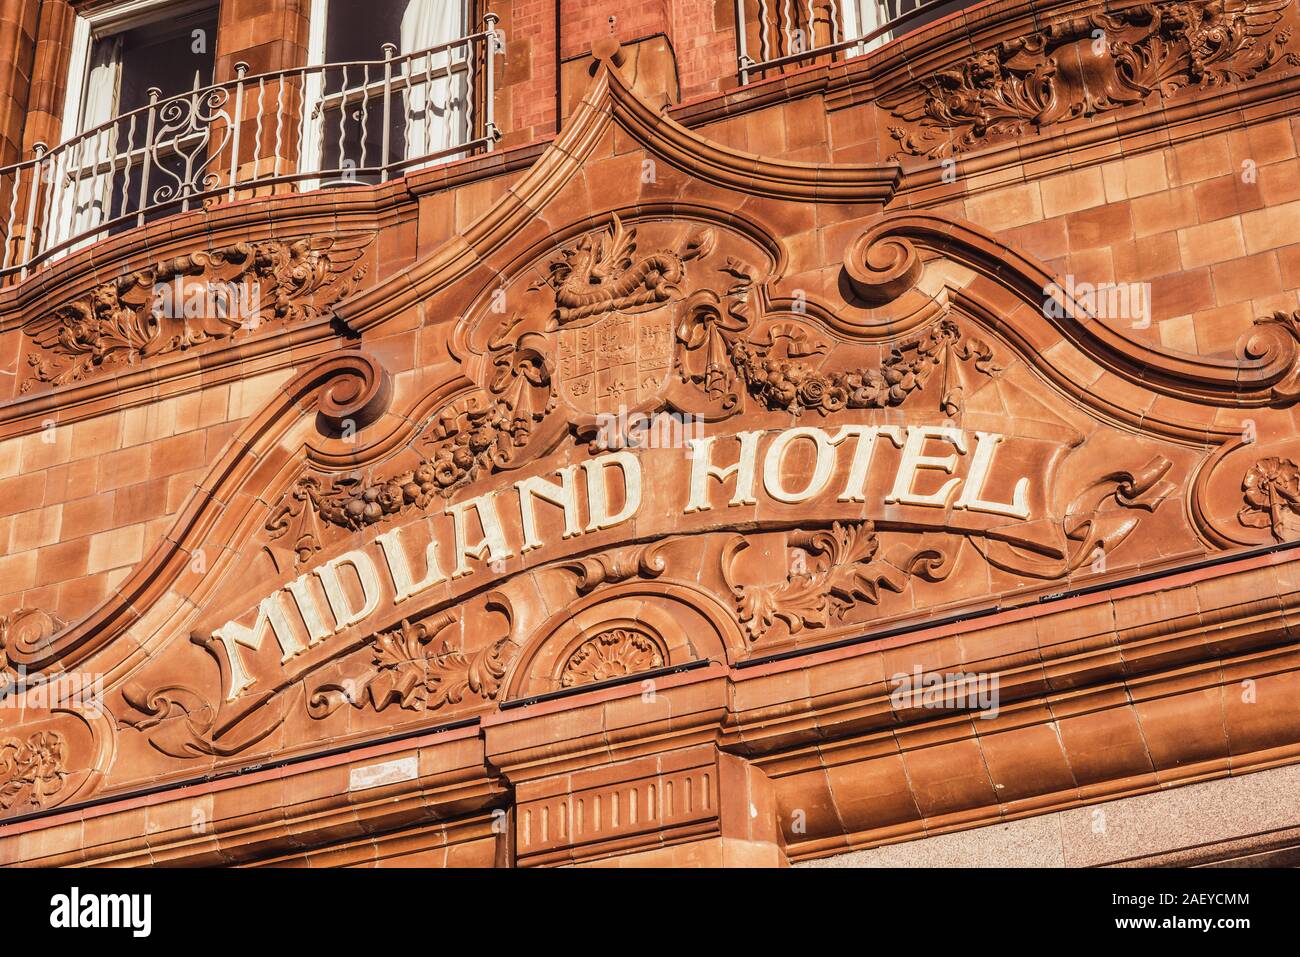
1084	66
192	300
713	348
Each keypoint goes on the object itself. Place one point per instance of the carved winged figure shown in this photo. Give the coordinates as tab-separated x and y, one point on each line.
1085	65
149	312
599	273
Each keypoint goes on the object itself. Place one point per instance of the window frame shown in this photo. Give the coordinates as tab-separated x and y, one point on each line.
316	104
103	22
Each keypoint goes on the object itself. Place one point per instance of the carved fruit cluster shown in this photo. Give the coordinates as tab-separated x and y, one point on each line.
784	383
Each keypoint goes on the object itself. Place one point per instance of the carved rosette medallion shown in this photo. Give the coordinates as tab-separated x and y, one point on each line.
615	653
1271	489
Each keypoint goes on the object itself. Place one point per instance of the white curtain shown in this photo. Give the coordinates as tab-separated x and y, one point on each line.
860	17
438	91
85	201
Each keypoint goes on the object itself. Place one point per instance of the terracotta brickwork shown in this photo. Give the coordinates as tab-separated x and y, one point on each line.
969	365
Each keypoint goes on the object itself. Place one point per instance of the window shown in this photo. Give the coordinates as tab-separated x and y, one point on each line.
427	93
115	63
863	16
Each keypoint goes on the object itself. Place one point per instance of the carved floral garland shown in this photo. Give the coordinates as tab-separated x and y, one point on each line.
793	385
470	438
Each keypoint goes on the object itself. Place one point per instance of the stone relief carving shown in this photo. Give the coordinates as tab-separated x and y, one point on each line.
123	323
182	723
36	767
615	331
471	437
775	369
601	273
1271	489
647	561
615	653
596	283
1085	66
1284	328
830	571
27	627
405	665
409	670
1097	521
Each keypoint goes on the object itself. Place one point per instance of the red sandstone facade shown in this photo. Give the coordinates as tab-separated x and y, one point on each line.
333	532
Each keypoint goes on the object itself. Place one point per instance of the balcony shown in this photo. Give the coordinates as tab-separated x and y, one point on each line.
307	128
774	36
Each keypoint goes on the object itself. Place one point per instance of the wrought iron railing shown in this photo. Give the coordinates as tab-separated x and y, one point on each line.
774	35
300	129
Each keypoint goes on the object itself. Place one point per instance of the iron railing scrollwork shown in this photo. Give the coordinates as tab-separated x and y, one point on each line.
298	129
775	35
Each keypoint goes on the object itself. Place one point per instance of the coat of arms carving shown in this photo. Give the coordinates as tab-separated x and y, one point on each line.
613	319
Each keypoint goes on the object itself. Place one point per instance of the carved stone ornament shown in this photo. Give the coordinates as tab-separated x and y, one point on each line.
35	767
27	627
615	653
192	300
182	723
1271	488
1085	66
1097	520
830	571
646	561
408	670
609	330
601	273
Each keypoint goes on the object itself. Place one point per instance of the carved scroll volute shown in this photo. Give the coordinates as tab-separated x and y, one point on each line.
880	268
347	385
1271	351
25	634
358	392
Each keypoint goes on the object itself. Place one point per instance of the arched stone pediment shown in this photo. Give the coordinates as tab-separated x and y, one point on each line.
661	433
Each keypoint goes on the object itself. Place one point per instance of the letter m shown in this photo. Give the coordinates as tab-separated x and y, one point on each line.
269	612
115	910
